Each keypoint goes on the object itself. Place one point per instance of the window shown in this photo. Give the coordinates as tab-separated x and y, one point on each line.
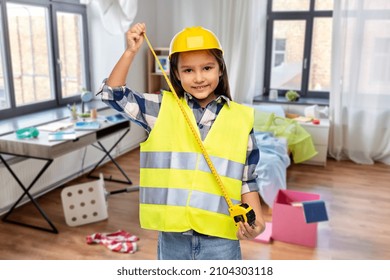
32	73
71	46
44	54
298	51
279	52
288	75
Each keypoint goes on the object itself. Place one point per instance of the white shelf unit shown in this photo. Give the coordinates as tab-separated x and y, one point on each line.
320	136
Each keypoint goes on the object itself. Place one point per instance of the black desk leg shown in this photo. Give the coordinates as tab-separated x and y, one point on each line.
26	191
107	154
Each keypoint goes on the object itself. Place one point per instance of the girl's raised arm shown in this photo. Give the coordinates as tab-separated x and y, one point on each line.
134	39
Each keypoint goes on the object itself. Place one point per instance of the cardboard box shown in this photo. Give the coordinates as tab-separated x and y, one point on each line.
289	223
266	235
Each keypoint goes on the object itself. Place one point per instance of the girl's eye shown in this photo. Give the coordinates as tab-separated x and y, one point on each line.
208	68
187	70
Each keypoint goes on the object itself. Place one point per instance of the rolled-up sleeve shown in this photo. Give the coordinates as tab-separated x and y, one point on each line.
142	108
249	178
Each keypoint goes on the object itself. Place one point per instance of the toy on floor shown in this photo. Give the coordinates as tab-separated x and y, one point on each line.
86	203
119	241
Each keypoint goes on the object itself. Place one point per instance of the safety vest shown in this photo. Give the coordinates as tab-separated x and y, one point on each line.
178	192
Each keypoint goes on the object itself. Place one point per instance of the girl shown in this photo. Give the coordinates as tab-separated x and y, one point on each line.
179	196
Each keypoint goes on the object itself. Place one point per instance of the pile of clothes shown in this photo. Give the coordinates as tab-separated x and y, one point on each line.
119	241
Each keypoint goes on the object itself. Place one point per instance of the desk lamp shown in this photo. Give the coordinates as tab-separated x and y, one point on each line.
86	96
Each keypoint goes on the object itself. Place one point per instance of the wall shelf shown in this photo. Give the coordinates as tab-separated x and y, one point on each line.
156	80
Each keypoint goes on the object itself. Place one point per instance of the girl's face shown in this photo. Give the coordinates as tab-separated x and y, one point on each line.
198	72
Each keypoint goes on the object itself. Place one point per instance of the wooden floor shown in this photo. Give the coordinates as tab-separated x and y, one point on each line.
357	199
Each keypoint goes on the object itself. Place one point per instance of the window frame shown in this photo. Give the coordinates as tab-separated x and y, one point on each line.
53	7
308	17
70	9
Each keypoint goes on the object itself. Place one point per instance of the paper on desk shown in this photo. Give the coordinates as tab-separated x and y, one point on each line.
55	126
62	135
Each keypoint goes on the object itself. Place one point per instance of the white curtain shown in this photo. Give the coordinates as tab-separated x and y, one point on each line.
360	96
116	15
240	27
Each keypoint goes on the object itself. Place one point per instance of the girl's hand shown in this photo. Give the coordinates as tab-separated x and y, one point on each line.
134	37
246	232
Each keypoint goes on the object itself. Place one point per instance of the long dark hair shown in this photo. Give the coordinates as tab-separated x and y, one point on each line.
223	87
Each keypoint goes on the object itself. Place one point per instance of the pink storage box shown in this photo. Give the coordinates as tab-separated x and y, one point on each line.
288	222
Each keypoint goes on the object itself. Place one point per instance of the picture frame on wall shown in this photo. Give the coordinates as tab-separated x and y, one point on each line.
164	60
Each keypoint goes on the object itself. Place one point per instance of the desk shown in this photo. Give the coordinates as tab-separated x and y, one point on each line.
42	149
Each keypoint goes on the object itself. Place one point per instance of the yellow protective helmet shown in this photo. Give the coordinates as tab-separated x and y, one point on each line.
194	39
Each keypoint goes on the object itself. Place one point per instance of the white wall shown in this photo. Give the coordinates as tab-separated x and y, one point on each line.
171	19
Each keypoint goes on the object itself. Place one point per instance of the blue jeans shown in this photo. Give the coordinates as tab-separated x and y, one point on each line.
194	246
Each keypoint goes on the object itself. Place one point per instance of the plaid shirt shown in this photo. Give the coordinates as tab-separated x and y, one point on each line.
143	109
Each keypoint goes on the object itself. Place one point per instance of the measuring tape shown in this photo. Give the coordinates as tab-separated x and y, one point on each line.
241	212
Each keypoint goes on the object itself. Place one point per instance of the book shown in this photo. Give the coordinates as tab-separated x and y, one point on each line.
303	119
55	126
87	125
62	135
314	210
115	118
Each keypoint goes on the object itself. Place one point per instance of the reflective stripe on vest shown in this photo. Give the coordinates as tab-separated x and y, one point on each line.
178	192
188	161
179	197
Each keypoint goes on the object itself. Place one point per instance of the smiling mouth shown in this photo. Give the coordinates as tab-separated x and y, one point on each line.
200	87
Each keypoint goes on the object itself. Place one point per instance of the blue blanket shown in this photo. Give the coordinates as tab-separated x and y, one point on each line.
272	167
